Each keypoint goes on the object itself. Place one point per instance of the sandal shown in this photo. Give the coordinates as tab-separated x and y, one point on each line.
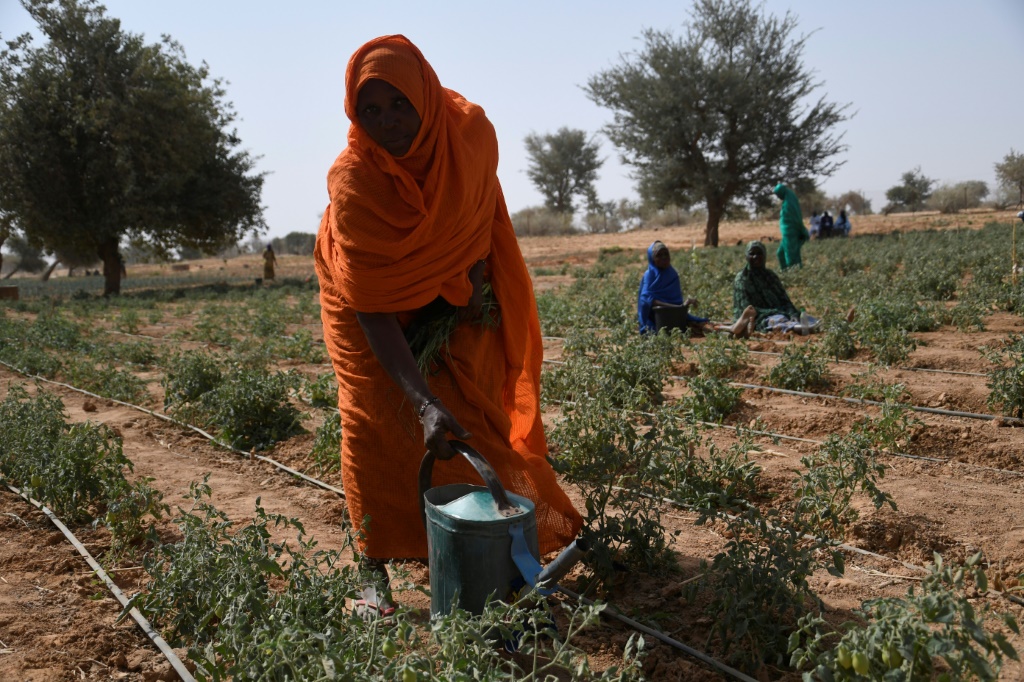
369	611
371	607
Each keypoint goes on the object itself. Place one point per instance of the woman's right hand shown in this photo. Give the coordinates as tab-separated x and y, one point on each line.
438	422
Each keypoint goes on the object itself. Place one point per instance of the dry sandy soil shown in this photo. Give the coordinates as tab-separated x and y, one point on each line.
58	623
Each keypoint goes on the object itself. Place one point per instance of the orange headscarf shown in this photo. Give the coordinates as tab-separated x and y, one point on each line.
401	231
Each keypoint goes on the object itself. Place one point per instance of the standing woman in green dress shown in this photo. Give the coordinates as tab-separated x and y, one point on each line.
791	224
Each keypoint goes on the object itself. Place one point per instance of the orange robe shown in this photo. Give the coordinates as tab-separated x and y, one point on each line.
398	233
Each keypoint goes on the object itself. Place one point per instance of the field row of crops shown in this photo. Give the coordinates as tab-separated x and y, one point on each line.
730	541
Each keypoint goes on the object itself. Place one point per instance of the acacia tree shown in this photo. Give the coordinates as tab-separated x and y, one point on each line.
720	114
914	189
1010	176
563	165
103	137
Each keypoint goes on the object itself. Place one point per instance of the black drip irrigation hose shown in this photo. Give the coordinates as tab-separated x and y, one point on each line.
902	369
610	611
139	619
661	637
812	441
865	401
841	362
856	401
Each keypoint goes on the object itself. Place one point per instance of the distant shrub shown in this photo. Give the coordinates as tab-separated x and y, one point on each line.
539	221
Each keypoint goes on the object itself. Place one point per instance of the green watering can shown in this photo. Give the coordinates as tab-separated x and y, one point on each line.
482	540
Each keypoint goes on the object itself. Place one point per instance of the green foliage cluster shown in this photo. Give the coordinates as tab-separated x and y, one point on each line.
563	166
610	450
247	405
248	607
327	445
682	152
801	367
710	399
902	638
76	470
140	140
911	194
1006	379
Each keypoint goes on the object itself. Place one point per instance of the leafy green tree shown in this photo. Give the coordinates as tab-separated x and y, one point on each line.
911	194
563	165
1010	176
104	137
720	114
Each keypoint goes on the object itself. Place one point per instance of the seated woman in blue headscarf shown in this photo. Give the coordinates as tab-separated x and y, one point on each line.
660	288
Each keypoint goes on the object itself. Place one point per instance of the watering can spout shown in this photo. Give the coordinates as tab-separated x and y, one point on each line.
563	563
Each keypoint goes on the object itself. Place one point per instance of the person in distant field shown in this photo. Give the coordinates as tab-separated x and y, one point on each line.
827	227
757	287
842	227
815	225
791	225
269	261
660	288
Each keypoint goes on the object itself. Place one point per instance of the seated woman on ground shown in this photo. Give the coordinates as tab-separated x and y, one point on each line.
660	288
758	288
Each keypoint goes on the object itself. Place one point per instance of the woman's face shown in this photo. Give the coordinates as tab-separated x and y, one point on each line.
662	259
387	116
756	258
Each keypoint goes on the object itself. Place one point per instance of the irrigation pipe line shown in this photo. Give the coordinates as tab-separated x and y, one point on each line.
842	362
139	619
812	441
667	640
850	548
856	401
865	401
869	364
661	637
172	420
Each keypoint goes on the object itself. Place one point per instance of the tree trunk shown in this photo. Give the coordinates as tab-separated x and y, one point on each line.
45	277
11	273
711	229
111	257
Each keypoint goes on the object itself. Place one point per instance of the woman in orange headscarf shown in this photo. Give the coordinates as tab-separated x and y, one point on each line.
417	222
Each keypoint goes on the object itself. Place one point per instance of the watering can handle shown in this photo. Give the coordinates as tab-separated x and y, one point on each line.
479	463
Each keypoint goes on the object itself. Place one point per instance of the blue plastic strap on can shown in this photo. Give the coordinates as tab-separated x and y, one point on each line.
527	564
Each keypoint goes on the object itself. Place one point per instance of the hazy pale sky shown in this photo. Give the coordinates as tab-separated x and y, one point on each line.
932	83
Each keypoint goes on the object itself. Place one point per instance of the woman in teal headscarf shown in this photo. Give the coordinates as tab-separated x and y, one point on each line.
791	224
758	289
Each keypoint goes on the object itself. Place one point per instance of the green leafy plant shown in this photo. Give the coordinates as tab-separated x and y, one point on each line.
1006	379
321	392
77	470
710	399
250	408
721	355
904	638
327	445
189	376
824	490
839	341
801	367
